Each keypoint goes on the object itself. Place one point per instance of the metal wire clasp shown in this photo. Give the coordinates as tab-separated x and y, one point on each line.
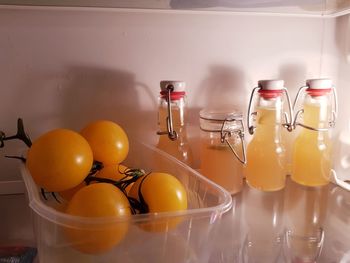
172	134
225	134
331	123
288	117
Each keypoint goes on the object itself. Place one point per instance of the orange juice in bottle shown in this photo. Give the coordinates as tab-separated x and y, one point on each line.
266	157
312	155
171	121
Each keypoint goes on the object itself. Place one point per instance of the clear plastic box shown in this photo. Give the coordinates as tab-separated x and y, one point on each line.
190	239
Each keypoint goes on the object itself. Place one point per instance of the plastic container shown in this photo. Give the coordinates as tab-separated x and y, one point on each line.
189	240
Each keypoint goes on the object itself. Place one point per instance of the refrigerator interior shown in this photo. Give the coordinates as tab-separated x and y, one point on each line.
64	66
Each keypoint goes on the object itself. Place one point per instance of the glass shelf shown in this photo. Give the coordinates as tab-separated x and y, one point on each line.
297	224
290	218
295	7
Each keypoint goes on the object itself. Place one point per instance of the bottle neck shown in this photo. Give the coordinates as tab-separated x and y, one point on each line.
177	112
269	117
317	111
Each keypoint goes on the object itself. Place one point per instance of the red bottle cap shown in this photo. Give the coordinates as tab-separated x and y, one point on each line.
318	87
177	92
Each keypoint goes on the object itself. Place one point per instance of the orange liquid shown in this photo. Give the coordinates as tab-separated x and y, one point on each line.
266	160
220	165
312	151
179	148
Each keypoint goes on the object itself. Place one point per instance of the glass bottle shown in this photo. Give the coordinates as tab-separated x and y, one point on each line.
312	153
171	121
222	148
266	156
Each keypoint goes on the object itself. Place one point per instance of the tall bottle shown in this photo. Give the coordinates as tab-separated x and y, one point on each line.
171	121
311	165
266	155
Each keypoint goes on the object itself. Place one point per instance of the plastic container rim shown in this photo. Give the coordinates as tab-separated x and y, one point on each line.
61	218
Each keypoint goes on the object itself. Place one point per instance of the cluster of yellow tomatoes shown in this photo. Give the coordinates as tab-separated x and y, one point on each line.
63	161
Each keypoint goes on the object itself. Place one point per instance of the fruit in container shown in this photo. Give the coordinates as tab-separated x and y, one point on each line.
117	172
108	141
59	160
98	201
160	192
101	193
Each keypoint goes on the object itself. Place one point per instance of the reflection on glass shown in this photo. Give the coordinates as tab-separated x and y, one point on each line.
263	213
337	248
304	248
305	210
227	241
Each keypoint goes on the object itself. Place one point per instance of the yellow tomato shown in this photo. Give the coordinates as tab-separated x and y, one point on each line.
109	142
59	160
69	193
98	200
115	173
161	192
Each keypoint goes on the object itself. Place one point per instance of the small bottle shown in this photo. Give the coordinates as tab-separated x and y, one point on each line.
266	156
222	148
171	121
312	154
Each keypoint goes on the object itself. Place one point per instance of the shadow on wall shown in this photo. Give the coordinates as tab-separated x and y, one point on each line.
77	95
224	87
342	40
294	76
95	93
71	98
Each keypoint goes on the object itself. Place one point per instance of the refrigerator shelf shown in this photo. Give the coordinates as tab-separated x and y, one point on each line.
324	8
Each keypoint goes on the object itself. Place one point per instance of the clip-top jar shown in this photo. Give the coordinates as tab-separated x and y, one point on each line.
222	148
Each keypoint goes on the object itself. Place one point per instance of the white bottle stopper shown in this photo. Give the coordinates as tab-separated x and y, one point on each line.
271	84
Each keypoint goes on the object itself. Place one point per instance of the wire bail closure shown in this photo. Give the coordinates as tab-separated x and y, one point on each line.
225	134
288	117
172	134
331	123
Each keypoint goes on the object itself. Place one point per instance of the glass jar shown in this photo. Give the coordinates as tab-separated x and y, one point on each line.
222	148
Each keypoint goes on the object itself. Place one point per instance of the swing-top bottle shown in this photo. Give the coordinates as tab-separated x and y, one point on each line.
171	120
311	165
266	154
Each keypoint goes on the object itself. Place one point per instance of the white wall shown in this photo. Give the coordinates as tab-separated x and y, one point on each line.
343	44
62	67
